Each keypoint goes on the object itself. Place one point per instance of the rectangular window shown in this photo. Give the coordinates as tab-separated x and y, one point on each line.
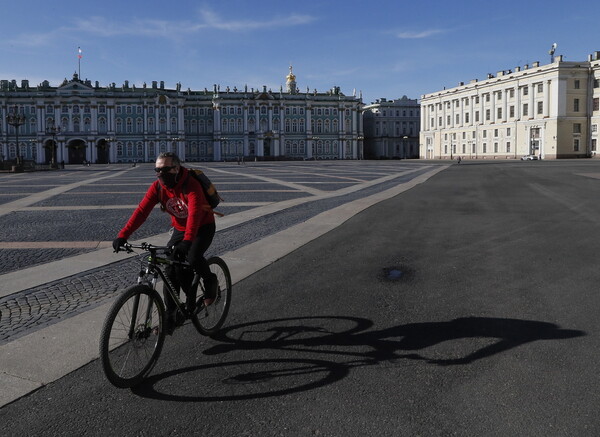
499	113
576	144
540	107
594	128
449	120
512	112
495	147
508	147
540	88
576	105
593	144
487	114
511	93
576	128
496	132
508	132
476	116
484	134
467	117
525	90
477	100
525	109
457	119
487	97
596	104
576	84
499	95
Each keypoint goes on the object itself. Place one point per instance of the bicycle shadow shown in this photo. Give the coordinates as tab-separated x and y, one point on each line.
354	345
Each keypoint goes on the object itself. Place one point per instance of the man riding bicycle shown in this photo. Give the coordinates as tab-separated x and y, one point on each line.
193	221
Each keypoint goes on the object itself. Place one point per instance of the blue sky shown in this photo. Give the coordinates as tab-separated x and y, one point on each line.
383	48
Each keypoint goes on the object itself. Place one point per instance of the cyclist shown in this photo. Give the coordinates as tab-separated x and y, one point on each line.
193	223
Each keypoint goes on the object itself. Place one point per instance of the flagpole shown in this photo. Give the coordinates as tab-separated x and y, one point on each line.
79	60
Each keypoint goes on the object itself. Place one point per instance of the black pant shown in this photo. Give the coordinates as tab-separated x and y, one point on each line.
183	277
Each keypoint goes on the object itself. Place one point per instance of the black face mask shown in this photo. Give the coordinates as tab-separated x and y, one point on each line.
169	180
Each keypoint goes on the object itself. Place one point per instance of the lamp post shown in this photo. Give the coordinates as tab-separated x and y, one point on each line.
16	120
53	130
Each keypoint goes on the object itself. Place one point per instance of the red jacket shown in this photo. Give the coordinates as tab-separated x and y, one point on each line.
188	210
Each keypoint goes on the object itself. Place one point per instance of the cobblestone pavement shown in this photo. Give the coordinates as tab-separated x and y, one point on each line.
41	306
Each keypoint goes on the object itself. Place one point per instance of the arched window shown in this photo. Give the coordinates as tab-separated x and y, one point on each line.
173	125
140	150
119	126
151	127
86	125
75	124
102	125
163	124
129	126
139	125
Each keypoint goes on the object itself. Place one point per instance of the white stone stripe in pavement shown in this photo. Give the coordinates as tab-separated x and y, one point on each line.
44	356
18	204
14	282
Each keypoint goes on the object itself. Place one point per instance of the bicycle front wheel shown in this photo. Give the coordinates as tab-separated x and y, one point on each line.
209	319
132	336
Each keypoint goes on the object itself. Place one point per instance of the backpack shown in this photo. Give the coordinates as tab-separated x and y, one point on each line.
210	192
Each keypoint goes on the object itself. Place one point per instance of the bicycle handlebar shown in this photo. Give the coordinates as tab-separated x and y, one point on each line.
144	246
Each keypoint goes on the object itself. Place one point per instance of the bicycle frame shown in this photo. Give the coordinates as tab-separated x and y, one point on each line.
153	270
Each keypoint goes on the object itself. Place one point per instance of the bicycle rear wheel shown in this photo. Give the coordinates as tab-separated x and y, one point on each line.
209	319
132	336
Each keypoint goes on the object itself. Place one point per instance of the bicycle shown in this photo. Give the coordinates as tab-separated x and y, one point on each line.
133	333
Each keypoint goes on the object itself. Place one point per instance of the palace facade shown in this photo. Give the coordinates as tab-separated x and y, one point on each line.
79	121
550	111
392	128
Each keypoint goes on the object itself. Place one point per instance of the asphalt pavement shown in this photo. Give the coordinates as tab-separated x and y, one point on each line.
462	305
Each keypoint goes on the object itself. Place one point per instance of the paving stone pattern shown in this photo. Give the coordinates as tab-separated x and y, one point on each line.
41	306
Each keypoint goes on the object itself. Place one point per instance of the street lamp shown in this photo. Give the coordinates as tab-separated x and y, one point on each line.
53	130
16	120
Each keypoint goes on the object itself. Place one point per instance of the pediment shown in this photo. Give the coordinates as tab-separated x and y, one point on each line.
74	87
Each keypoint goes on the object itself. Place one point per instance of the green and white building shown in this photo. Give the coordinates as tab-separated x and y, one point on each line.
79	121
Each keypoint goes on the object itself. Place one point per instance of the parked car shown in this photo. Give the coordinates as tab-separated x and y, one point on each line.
529	158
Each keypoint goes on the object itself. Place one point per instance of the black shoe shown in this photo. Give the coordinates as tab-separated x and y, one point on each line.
211	285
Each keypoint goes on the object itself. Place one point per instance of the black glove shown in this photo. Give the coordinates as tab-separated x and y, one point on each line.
181	250
118	243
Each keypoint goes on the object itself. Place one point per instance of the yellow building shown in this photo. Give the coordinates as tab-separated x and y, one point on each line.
547	111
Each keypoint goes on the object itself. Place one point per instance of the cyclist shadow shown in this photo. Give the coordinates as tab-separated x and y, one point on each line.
357	346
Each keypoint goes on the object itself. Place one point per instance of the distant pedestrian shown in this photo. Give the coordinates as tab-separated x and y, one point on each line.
62	164
459	159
